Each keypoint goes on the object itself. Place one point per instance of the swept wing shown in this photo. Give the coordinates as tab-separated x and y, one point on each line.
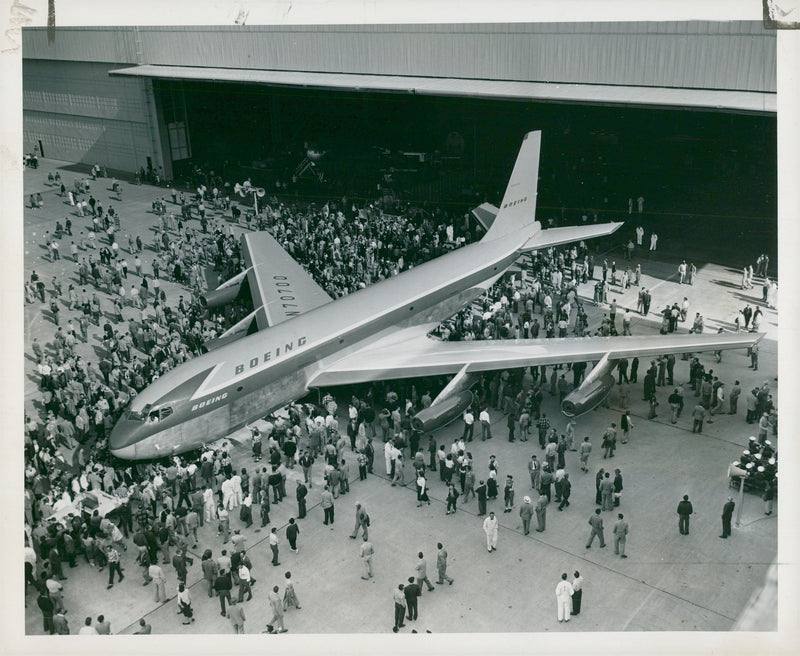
420	355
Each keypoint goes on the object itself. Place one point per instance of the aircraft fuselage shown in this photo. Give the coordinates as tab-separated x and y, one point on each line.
217	393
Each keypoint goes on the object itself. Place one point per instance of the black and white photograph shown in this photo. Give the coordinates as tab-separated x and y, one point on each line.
314	314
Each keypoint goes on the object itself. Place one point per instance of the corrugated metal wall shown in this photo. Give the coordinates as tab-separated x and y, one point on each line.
738	55
89	44
81	114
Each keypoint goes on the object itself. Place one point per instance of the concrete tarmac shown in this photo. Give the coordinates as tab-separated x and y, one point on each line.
669	582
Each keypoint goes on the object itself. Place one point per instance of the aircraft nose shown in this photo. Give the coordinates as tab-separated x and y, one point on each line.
125	453
124	437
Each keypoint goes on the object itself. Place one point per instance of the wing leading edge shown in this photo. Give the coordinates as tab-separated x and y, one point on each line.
423	356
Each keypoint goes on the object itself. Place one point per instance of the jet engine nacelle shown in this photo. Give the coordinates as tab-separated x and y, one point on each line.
441	414
225	293
449	404
592	391
215	298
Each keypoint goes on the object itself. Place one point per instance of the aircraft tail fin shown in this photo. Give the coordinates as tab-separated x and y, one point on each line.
517	212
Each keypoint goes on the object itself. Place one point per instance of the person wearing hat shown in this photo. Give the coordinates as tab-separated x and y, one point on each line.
526	513
727	514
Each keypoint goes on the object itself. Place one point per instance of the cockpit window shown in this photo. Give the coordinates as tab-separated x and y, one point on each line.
159	414
141	415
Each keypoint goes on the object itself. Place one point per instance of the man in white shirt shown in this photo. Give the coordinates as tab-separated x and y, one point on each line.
486	425
564	592
87	628
244	583
490	527
469	421
388	452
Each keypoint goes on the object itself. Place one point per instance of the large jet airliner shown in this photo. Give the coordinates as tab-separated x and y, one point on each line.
298	338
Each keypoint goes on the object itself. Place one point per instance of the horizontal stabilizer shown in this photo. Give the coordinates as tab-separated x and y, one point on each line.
568	234
485	214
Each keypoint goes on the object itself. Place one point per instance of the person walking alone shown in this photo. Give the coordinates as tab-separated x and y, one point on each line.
236	616
327	505
684	510
276	605
490	528
292	532
273	545
422	573
289	594
566	491
620	534
596	522
366	552
362	522
441	565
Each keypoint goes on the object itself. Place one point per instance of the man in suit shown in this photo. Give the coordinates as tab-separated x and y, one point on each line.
361	522
223	586
441	565
526	513
412	592
607	492
236	616
481	493
366	554
577	587
422	574
327	505
566	490
302	492
596	522
620	534
541	513
727	514
684	510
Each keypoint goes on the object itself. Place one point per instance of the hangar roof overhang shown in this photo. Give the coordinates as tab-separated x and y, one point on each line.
701	99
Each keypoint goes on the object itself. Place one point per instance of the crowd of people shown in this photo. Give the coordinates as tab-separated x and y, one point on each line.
146	332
